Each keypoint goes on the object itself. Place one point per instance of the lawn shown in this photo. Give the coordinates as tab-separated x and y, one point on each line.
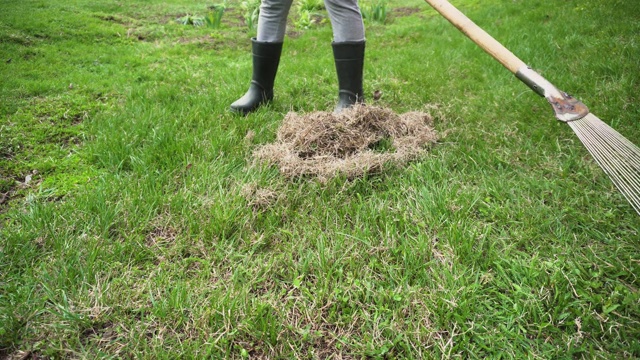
130	225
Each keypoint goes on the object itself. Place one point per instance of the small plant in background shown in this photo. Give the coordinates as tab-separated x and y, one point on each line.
191	20
251	10
214	17
309	13
375	11
305	20
310	5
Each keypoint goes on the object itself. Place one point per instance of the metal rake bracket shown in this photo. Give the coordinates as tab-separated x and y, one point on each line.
566	107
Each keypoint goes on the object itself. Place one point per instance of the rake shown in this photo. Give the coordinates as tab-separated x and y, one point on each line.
617	156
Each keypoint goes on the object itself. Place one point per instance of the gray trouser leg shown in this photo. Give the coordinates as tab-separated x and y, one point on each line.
346	20
272	22
345	16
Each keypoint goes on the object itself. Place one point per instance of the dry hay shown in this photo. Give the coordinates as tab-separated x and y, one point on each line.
259	198
325	144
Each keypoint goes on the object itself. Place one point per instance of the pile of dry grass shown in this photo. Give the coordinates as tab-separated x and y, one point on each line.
325	144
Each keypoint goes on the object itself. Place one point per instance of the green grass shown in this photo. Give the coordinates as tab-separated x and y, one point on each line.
135	237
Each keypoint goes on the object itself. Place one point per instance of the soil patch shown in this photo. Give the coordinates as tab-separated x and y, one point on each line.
405	11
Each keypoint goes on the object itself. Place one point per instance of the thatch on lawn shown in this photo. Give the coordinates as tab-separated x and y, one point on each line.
356	141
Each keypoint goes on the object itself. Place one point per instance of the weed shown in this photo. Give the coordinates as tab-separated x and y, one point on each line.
310	5
251	12
191	20
309	13
305	20
214	17
375	11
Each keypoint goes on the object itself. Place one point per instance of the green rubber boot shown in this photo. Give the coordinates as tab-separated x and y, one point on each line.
349	57
266	57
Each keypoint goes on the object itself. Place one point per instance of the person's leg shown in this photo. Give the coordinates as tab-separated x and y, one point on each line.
272	22
266	50
348	50
346	20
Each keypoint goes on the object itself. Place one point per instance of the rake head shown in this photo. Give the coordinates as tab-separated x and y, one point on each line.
617	156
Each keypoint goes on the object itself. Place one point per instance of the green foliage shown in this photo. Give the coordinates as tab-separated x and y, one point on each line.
309	13
375	11
214	17
39	141
191	20
310	5
305	20
251	12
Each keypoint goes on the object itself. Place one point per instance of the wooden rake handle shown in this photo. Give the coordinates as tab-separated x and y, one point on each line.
566	107
477	35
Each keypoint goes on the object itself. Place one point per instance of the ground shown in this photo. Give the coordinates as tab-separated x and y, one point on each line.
127	230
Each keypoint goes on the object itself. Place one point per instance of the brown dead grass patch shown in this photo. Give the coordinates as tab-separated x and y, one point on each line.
259	198
357	141
406	11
